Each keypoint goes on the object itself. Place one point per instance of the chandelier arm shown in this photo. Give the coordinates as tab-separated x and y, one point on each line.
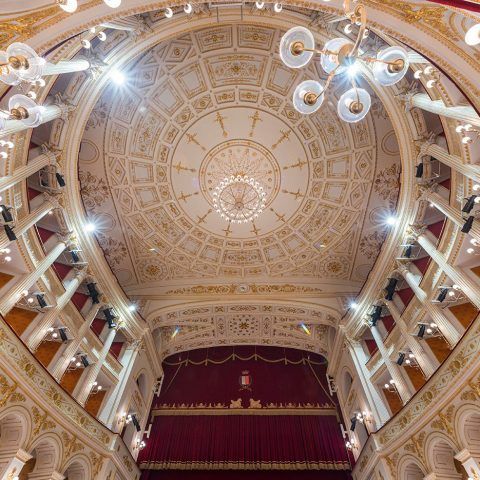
327	83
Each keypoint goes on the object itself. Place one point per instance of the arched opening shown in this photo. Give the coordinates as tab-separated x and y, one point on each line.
346	384
142	386
471	432
412	472
75	471
13	432
442	460
45	456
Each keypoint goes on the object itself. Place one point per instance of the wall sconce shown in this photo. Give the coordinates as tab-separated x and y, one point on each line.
140	445
390	386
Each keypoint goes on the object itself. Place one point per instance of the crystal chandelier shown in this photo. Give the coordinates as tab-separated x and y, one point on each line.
339	56
239	199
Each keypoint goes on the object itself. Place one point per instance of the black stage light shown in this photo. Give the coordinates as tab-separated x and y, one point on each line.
41	300
467	226
84	360
63	334
401	358
7	216
10	233
421	331
93	292
469	204
60	179
442	295
390	288
419	170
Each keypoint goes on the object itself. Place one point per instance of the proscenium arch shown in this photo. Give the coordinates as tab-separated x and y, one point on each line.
89	92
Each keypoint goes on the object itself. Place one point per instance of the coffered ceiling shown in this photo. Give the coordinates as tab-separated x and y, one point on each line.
214	103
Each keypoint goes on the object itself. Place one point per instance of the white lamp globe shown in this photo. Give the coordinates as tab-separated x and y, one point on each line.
68	6
9	77
34	111
354	105
387	73
472	37
308	96
35	63
113	3
330	61
292	47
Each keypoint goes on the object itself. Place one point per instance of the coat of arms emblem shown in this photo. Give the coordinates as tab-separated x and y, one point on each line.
245	380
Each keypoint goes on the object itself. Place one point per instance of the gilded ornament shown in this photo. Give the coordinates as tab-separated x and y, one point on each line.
41	421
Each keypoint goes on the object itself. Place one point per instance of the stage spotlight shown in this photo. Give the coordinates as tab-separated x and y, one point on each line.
419	170
60	179
467	226
469	204
10	233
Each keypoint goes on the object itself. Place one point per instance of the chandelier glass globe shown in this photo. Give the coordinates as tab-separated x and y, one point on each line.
472	37
239	199
335	49
68	6
24	62
354	105
7	75
308	96
25	109
113	3
391	67
296	47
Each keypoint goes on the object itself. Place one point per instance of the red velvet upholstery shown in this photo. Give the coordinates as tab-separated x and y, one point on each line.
422	263
97	326
116	348
196	427
79	299
371	345
436	228
44	234
32	193
61	269
388	322
406	294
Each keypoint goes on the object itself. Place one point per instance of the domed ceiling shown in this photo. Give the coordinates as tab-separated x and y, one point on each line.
213	104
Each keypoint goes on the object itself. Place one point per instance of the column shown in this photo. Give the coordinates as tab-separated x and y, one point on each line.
461	113
469	463
23	172
453	161
393	368
72	348
112	405
452	213
9	298
469	286
15	464
26	222
46	476
66	66
377	405
48	319
452	336
50	112
427	366
83	391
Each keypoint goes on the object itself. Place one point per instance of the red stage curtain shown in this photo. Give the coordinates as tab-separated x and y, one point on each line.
466	5
244	475
292	442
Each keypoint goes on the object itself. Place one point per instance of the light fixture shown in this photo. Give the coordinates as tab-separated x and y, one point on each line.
113	3
305	329
168	12
20	63
68	6
468	133
188	8
132	307
86	43
117	76
277	7
472	37
24	109
95	388
140	445
90	227
5	255
353	305
239	199
260	5
102	36
391	220
340	55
